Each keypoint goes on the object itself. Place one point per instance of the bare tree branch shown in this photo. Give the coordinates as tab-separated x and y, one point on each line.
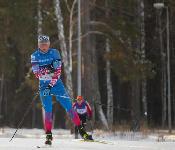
114	32
71	33
67	5
91	32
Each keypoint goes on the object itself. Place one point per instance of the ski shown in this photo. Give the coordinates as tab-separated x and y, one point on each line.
96	141
44	146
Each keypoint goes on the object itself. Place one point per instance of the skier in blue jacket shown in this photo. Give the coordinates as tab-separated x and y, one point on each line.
46	65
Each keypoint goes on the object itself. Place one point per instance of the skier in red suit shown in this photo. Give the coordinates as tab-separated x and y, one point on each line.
83	110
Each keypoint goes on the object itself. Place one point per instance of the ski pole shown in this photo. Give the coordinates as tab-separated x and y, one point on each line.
25	114
67	91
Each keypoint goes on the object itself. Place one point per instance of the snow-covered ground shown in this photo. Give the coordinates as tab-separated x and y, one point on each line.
29	139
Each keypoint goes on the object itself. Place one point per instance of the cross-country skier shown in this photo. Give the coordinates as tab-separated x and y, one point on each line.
84	111
46	65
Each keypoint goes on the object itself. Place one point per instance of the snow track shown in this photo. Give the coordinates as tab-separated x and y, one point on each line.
29	139
69	144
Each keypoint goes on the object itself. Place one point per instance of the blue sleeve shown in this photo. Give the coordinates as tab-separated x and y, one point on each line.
57	59
35	64
57	54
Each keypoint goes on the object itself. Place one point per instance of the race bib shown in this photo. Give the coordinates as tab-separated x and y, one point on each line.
46	77
81	111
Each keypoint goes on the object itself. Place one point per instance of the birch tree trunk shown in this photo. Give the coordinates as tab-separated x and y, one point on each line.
61	37
67	68
143	57
108	80
40	18
109	88
71	24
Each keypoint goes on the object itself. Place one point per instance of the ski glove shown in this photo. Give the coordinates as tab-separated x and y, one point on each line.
47	90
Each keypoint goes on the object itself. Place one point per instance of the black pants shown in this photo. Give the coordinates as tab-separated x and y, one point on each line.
83	118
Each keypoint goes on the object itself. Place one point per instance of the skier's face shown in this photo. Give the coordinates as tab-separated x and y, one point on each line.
44	46
79	101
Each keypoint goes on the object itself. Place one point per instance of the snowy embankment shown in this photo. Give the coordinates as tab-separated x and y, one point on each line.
28	139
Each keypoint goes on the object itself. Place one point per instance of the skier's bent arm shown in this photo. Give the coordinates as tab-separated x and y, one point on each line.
57	68
89	110
55	77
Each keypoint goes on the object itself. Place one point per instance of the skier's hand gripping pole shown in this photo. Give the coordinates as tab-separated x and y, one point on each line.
25	114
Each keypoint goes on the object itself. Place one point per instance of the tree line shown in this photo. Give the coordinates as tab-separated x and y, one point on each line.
124	59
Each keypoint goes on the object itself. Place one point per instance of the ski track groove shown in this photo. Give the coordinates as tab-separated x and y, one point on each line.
71	144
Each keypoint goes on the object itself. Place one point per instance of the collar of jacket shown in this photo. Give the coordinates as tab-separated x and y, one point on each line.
40	51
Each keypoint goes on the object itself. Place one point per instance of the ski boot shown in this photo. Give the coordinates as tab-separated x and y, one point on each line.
84	134
49	138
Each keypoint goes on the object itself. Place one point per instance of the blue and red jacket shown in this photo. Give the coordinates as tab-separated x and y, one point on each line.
46	66
83	108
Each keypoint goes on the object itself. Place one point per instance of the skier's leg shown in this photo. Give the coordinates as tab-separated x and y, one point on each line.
64	99
76	128
47	112
83	120
47	116
67	105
